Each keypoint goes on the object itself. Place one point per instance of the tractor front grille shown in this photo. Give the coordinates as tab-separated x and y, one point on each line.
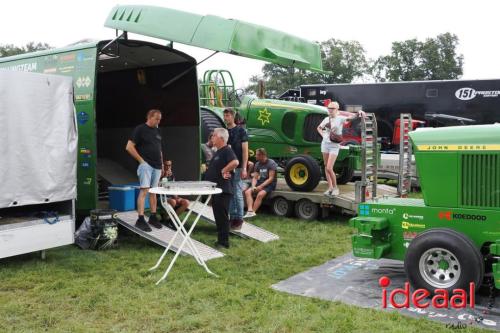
310	127
480	180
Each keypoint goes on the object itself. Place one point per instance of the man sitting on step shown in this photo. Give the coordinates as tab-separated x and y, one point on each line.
263	182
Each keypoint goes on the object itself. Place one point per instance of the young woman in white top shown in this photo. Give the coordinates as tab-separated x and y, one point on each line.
330	150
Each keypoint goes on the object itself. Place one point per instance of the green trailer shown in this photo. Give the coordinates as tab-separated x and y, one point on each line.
451	237
117	81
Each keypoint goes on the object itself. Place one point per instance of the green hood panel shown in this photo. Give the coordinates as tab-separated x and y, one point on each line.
218	34
472	137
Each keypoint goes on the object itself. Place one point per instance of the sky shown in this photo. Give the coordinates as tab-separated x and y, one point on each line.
375	24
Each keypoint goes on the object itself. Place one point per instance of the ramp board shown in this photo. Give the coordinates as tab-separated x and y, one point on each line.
164	235
355	281
247	230
114	172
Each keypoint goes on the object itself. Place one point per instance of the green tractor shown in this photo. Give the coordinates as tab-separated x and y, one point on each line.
287	130
451	237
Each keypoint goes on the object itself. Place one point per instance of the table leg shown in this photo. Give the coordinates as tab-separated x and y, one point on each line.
187	239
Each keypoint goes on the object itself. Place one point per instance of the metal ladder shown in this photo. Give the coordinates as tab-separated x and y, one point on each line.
405	155
369	159
217	89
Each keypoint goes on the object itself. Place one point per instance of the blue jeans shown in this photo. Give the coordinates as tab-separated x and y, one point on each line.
236	203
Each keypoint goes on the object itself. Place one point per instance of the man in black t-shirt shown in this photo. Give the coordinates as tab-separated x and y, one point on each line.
219	171
238	141
145	146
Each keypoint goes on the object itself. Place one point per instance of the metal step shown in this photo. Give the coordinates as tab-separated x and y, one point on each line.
247	230
164	235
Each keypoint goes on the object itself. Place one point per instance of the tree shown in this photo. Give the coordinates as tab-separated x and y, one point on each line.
345	59
8	50
434	59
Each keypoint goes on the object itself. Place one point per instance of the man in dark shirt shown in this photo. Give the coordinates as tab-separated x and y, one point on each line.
263	182
145	146
238	140
179	204
219	171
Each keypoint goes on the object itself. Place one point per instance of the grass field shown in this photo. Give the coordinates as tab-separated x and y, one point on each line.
112	291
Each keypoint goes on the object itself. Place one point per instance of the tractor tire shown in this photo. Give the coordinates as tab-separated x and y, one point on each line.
443	258
302	173
307	210
209	121
345	175
282	207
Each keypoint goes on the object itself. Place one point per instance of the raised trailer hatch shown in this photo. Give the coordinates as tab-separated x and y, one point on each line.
217	34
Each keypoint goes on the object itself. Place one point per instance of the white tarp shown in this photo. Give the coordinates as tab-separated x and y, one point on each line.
38	139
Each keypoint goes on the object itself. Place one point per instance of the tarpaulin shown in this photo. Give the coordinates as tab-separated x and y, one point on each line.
355	281
38	139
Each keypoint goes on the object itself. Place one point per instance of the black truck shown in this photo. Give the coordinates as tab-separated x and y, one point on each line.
437	103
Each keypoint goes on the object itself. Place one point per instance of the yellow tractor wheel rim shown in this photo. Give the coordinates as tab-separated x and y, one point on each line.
299	174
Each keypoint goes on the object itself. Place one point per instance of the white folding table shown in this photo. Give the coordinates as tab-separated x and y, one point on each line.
183	188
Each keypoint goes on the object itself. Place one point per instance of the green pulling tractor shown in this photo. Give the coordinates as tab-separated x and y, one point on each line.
451	237
287	130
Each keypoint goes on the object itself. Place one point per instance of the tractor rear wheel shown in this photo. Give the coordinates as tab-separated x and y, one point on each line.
302	173
345	175
209	121
443	258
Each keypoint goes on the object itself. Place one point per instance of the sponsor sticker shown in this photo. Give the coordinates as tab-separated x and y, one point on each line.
466	94
408	225
83	118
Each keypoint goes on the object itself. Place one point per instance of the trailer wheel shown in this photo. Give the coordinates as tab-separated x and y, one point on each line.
443	258
282	207
305	209
302	173
345	175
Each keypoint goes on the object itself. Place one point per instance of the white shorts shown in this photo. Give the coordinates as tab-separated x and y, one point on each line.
330	148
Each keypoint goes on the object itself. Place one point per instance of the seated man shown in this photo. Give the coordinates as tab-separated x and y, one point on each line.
263	182
176	202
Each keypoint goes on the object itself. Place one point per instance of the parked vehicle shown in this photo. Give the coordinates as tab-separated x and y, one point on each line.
451	237
437	103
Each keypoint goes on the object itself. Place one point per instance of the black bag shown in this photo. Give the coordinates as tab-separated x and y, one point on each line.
103	229
334	137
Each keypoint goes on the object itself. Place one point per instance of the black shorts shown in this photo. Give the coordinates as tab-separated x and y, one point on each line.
269	188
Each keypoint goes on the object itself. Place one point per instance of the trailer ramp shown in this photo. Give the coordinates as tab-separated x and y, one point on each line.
164	236
247	230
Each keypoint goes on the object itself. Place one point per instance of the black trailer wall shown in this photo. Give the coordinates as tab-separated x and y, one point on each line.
123	99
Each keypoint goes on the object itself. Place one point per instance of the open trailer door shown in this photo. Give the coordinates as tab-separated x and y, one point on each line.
218	34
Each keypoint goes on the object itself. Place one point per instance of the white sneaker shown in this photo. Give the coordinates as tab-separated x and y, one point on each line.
335	191
327	193
249	215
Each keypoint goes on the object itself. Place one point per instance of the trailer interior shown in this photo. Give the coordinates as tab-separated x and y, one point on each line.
132	78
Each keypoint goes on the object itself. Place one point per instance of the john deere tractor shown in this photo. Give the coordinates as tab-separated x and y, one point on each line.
451	237
287	130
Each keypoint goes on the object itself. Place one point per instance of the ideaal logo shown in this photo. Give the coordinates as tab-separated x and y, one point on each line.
440	300
456	216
